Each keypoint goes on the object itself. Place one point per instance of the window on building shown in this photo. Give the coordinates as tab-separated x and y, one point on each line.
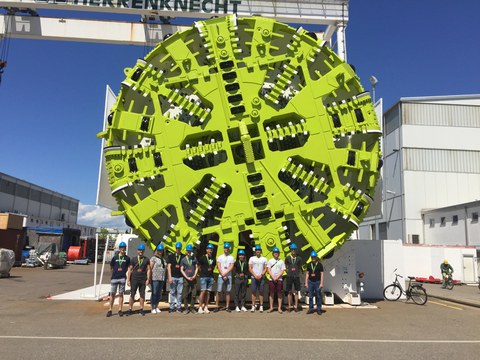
56	201
455	220
415	239
22	191
46	198
475	217
372	232
382	231
7	187
443	221
432	223
35	195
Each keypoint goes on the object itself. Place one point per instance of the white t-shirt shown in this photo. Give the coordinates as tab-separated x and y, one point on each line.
276	267
258	264
225	262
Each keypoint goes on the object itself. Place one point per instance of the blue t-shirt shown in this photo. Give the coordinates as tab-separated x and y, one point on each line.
119	265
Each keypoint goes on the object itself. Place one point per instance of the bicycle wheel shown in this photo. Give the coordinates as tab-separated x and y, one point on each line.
392	293
449	284
418	295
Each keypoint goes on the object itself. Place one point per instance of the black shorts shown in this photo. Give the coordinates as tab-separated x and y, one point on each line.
137	284
295	281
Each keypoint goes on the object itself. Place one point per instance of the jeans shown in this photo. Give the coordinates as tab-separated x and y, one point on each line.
227	283
157	286
206	283
314	290
189	289
240	291
176	289
258	284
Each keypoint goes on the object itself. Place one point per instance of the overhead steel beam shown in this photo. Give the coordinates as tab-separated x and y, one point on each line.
100	31
323	12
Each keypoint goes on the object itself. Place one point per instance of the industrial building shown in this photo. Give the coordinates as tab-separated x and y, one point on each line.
430	186
45	213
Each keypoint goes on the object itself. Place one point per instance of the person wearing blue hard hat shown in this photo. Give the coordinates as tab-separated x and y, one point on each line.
241	281
314	283
138	277
275	268
189	269
207	265
119	267
257	266
175	279
158	264
225	267
293	265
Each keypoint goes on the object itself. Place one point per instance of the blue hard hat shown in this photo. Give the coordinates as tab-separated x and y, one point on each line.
178	245
276	250
122	244
293	246
189	247
226	245
160	247
241	252
313	254
258	247
209	246
141	247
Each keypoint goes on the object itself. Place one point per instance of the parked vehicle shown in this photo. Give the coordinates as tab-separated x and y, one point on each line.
415	291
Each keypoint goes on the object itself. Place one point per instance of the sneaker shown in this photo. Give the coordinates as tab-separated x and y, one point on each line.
120	313
158	310
154	311
187	311
310	312
171	311
244	308
319	312
296	309
109	313
205	310
179	310
200	311
253	309
228	310
216	310
261	308
142	312
237	309
129	312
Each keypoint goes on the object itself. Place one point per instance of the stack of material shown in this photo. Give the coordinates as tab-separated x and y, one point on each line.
7	259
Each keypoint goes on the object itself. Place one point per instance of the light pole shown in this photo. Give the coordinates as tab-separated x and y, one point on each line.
374	81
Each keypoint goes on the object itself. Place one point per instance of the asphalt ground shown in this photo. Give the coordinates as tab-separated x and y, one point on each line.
34	327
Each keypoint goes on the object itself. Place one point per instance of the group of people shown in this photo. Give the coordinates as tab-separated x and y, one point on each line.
182	271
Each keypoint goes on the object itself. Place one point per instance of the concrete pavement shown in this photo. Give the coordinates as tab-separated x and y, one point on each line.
460	294
31	326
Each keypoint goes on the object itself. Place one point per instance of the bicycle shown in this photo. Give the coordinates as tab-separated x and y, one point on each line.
416	292
448	281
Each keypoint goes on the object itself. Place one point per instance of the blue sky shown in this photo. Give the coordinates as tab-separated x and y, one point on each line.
52	93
